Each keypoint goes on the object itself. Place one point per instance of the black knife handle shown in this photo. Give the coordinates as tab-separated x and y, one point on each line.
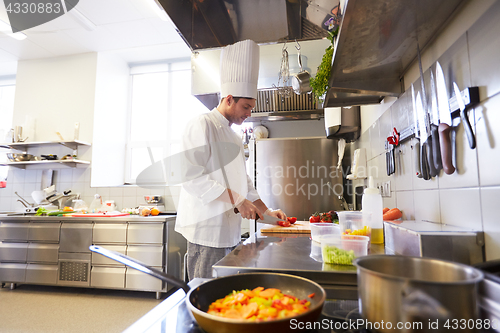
468	128
416	158
436	149
432	170
424	164
446	153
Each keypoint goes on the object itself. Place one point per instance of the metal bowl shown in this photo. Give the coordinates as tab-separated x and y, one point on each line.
152	199
19	157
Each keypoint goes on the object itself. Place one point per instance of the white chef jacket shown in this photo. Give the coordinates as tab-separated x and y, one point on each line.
202	219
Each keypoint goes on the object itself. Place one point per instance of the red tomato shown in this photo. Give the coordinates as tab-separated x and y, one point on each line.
326	217
292	220
284	223
315	218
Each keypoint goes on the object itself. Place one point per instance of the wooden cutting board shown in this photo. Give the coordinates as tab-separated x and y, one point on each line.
299	227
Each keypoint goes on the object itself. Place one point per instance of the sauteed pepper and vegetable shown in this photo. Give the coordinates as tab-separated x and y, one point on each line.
259	304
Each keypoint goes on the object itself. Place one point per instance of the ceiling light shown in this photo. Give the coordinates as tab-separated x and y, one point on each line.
7	29
82	19
158	10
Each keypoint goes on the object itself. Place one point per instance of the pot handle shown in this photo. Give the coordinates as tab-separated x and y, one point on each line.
128	261
420	306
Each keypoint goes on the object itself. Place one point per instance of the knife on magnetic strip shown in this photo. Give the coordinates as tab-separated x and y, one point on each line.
424	162
436	149
444	121
425	124
416	146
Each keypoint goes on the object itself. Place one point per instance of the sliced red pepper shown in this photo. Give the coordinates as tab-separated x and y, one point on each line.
311	295
284	223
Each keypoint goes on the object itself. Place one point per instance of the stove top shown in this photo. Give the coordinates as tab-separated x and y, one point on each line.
337	316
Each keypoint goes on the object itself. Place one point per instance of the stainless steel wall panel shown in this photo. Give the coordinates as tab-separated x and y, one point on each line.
109	233
292	174
41	274
13	231
99	259
150	255
145	233
44	232
13	252
76	237
43	253
107	277
141	281
11	272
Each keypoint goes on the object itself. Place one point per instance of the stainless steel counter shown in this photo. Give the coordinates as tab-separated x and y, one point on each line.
129	218
293	254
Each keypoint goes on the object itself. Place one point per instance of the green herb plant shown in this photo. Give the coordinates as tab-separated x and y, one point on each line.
319	83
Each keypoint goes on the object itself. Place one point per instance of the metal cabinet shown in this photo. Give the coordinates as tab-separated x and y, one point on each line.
41	274
99	259
108	277
76	237
145	233
13	252
109	233
150	255
12	272
140	281
48	253
56	252
13	231
44	232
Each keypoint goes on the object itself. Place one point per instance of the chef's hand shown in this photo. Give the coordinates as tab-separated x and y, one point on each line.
249	211
278	213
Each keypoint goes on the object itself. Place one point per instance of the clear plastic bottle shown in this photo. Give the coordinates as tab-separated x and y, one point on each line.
96	205
372	204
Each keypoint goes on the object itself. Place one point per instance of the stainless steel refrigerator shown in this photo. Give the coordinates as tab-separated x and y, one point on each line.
297	175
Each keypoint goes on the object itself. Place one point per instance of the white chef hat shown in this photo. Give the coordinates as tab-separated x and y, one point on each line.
239	69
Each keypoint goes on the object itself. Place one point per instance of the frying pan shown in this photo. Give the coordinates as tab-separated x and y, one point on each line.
201	297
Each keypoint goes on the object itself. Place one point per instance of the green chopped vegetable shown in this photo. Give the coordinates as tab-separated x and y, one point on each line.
40	211
334	255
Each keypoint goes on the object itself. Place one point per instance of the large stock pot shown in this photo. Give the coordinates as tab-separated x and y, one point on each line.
408	290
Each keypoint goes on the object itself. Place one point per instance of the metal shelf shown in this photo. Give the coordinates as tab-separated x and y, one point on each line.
69	163
25	145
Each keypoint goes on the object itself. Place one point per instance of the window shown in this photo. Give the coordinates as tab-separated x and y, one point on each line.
7	94
161	106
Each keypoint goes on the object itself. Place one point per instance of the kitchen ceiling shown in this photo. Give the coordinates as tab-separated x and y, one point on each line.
129	28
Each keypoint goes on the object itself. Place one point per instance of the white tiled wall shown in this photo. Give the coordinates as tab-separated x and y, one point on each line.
24	182
469	198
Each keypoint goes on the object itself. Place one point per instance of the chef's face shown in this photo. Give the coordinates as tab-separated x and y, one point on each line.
240	109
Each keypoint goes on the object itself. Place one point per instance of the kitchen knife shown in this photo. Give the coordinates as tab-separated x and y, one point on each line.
424	164
416	146
267	218
425	124
465	118
445	121
436	149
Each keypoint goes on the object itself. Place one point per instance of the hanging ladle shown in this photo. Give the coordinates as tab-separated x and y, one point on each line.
300	81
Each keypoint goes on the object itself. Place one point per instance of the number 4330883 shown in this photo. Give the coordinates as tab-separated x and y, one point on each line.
32	8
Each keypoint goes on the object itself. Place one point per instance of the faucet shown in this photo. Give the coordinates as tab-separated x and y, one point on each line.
343	202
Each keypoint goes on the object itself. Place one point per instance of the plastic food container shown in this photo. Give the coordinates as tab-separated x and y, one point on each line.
319	230
342	250
354	223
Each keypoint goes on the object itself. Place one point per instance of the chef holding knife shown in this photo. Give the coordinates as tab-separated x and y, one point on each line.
206	212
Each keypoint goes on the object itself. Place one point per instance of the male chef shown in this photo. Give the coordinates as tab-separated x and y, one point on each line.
206	214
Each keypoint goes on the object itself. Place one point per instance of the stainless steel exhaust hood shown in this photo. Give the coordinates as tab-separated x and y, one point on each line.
375	47
216	23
